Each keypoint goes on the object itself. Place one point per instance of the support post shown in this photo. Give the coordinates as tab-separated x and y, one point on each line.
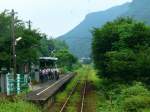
13	46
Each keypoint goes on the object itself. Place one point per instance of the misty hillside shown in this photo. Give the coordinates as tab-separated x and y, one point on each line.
79	38
140	10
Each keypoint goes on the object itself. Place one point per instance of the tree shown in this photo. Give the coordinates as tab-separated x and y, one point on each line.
65	59
25	50
32	45
5	40
120	50
56	48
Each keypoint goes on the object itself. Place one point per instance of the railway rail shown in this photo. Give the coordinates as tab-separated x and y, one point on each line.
83	97
65	105
67	100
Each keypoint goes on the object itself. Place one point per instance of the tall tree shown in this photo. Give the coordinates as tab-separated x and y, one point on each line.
120	50
25	49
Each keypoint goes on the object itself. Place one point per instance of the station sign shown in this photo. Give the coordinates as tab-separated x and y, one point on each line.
21	82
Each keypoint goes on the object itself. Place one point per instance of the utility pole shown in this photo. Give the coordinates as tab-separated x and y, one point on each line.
13	46
29	63
29	24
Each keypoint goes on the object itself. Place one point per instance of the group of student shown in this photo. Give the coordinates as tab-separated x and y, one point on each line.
49	74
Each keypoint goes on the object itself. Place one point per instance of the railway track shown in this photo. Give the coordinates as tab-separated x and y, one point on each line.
83	92
83	97
78	96
71	93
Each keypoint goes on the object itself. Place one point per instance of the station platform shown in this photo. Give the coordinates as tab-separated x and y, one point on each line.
44	91
43	85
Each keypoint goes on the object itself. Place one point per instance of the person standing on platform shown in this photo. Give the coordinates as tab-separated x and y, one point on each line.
30	82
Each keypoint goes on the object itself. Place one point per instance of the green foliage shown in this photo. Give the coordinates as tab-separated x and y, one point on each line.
32	45
136	103
66	59
60	44
63	95
25	48
134	98
136	90
56	48
50	46
73	101
146	110
120	50
123	98
4	38
121	63
17	106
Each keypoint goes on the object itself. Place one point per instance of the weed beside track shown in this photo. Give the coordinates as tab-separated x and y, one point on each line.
77	97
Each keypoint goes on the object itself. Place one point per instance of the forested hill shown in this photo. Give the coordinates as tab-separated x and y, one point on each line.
79	38
140	10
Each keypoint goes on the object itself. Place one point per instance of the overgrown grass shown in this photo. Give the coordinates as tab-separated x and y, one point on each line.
124	98
112	96
92	76
20	106
83	73
17	104
73	102
79	76
63	95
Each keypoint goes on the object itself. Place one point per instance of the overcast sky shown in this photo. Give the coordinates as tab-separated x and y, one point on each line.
56	17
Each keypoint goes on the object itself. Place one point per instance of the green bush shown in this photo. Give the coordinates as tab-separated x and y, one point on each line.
119	97
137	89
19	106
136	103
134	98
146	110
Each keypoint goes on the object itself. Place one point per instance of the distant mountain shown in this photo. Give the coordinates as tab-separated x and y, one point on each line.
79	38
140	10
